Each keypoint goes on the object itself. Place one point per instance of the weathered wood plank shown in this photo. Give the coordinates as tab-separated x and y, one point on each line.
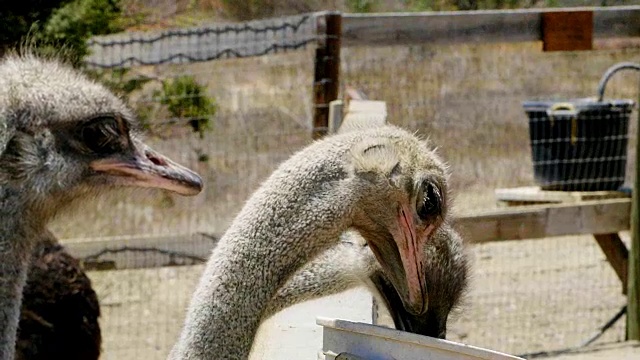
138	252
476	26
363	114
617	255
440	28
534	194
336	109
356	112
531	222
616	22
367	106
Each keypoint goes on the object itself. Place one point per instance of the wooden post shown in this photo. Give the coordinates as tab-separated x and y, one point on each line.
326	70
617	255
633	276
336	108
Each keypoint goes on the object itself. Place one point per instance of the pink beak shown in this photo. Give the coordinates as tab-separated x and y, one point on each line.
148	168
411	249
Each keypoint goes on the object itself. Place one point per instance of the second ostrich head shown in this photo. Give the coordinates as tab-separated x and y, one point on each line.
416	183
65	136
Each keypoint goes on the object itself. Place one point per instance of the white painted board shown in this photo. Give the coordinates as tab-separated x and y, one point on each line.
373	342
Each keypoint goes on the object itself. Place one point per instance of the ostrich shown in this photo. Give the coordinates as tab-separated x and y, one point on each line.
383	182
62	139
60	309
351	263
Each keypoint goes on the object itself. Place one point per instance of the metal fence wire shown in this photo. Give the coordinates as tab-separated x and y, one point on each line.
525	296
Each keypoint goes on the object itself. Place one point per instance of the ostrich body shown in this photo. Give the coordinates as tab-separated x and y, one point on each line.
385	183
63	138
351	263
60	309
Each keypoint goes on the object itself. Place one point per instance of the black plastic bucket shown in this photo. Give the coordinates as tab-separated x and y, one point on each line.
579	145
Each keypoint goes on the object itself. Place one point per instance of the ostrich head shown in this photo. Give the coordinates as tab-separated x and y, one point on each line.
447	280
66	136
414	179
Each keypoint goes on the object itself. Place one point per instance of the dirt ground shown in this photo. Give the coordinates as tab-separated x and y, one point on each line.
620	351
526	296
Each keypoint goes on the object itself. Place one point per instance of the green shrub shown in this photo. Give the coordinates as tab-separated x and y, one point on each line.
117	81
186	99
361	6
71	25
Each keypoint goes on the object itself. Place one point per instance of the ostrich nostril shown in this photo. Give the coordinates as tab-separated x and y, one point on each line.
155	160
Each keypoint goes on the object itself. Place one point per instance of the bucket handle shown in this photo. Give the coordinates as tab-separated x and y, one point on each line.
565	109
609	73
562	108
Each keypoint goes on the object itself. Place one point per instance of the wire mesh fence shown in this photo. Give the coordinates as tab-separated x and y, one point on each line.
142	303
261	115
525	296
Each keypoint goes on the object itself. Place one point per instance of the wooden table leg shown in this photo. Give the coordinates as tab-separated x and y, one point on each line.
617	255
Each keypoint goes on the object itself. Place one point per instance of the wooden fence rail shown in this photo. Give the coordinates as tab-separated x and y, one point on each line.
531	222
477	26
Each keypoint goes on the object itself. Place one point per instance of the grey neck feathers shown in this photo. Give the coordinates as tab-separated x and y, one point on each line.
24	212
16	231
298	212
343	267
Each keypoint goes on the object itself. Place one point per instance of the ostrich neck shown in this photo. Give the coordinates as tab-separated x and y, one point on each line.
299	212
338	269
15	250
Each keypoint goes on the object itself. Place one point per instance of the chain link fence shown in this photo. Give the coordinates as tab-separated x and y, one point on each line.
525	296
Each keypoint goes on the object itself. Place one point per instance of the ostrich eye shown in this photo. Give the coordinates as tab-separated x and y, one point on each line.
103	135
429	201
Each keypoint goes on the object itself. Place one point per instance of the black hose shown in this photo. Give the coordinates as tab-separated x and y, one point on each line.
612	70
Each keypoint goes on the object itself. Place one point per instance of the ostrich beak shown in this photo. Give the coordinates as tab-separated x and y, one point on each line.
402	260
428	324
149	168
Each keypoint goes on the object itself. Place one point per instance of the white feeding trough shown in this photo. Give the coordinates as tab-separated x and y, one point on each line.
346	340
